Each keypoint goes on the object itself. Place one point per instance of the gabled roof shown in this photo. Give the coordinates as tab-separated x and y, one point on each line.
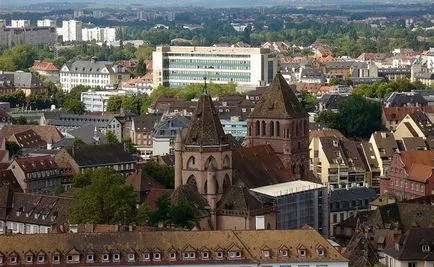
239	198
279	101
35	164
258	166
205	128
89	155
47	132
44	66
28	139
410	245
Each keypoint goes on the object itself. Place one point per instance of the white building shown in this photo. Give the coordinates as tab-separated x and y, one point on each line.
103	74
20	23
46	23
96	101
175	66
163	137
99	34
71	30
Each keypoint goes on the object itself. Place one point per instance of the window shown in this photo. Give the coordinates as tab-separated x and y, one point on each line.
146	256
69	258
29	259
56	258
320	252
425	248
13	259
105	257
90	257
157	256
172	255
1	259
234	254
41	259
412	264
284	253
219	254
266	253
189	255
131	256
205	255
302	252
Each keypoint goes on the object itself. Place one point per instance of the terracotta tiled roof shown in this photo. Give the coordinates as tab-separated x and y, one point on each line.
249	244
258	166
398	113
47	132
44	66
419	164
28	139
279	101
34	164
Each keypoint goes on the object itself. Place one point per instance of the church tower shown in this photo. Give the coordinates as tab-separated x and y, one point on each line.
280	120
203	157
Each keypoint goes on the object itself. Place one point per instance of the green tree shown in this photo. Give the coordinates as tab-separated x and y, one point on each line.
164	174
114	103
329	119
359	117
132	103
182	215
76	91
129	146
308	101
144	214
144	52
111	138
106	200
162	213
74	106
140	68
20	121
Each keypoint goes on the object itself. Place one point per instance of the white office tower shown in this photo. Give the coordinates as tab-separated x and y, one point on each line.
71	30
178	66
46	23
20	23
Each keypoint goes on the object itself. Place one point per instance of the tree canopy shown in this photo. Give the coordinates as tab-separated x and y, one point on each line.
165	175
103	198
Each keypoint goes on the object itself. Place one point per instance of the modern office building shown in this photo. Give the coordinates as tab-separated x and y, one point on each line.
21	23
298	203
175	66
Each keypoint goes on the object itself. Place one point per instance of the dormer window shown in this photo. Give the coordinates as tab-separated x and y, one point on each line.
320	252
131	257
41	259
1	259
205	255
29	259
265	253
172	255
302	252
425	248
157	256
105	257
116	257
56	259
13	259
283	253
90	258
146	256
234	254
219	255
189	255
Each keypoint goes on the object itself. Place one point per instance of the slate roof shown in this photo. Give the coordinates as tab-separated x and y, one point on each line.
93	155
22	79
402	99
345	196
410	245
386	143
169	125
90	66
89	135
330	101
279	101
47	132
424	123
205	128
258	166
80	120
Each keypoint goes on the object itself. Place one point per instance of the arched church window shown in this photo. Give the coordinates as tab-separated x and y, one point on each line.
257	133
271	128
263	128
226	162
191	162
226	183
277	128
210	162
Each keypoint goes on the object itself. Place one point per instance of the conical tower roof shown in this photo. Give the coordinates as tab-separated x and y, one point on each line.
279	102
205	128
